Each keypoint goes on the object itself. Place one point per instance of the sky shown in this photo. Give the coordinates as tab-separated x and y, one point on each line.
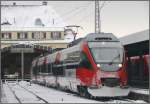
118	17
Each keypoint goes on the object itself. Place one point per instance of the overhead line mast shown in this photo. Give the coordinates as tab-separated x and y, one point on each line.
97	17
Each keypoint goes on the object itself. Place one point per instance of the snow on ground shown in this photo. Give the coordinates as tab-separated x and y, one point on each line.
49	94
8	95
141	91
55	96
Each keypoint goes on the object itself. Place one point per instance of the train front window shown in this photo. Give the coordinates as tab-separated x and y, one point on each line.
107	54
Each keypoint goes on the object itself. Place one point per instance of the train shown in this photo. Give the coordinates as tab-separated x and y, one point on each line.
138	70
95	66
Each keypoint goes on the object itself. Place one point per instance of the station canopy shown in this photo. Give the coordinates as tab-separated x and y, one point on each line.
136	43
28	48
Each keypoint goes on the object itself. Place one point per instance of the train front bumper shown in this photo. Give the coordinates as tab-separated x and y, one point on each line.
105	91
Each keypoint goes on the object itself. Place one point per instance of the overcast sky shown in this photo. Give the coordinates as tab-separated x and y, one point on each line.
118	17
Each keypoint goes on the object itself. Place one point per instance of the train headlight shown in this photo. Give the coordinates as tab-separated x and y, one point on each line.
98	65
120	65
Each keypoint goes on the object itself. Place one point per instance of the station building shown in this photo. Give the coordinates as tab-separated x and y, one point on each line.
50	37
32	24
30	29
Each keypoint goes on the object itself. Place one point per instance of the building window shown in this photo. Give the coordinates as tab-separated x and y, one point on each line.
56	35
43	35
22	35
36	35
33	36
38	22
6	35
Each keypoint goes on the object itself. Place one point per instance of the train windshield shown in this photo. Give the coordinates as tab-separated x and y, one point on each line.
107	54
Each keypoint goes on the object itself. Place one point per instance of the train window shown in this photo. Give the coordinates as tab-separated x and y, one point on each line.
49	68
73	57
70	73
46	68
103	38
58	70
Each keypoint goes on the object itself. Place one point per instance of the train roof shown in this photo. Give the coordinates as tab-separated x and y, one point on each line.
95	37
101	37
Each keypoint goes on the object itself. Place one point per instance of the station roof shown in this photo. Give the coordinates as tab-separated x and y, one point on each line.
34	46
135	37
137	43
30	16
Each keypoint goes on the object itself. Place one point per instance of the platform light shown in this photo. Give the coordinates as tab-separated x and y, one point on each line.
120	65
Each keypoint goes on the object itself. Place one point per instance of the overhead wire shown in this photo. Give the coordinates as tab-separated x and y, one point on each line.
85	16
72	13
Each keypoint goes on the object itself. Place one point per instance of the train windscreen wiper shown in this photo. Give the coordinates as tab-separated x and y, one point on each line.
114	59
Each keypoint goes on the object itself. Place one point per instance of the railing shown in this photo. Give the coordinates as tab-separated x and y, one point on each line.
14	79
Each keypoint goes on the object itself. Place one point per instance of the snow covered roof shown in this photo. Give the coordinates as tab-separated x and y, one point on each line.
135	37
32	28
30	16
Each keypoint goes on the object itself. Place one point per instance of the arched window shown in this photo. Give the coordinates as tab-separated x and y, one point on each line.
38	22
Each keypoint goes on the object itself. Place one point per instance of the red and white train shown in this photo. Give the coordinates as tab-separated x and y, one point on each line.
96	66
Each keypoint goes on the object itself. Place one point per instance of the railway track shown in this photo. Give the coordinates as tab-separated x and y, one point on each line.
17	97
103	99
116	99
19	101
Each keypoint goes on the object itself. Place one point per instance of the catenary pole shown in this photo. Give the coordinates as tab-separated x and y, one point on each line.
0	66
97	17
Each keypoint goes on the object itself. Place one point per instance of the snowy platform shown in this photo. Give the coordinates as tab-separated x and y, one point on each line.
141	94
140	91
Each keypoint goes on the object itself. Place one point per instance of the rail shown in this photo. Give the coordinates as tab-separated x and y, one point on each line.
19	101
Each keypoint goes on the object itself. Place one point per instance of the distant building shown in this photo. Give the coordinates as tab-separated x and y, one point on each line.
32	24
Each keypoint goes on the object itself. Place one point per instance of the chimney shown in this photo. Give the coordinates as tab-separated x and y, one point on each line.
44	3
